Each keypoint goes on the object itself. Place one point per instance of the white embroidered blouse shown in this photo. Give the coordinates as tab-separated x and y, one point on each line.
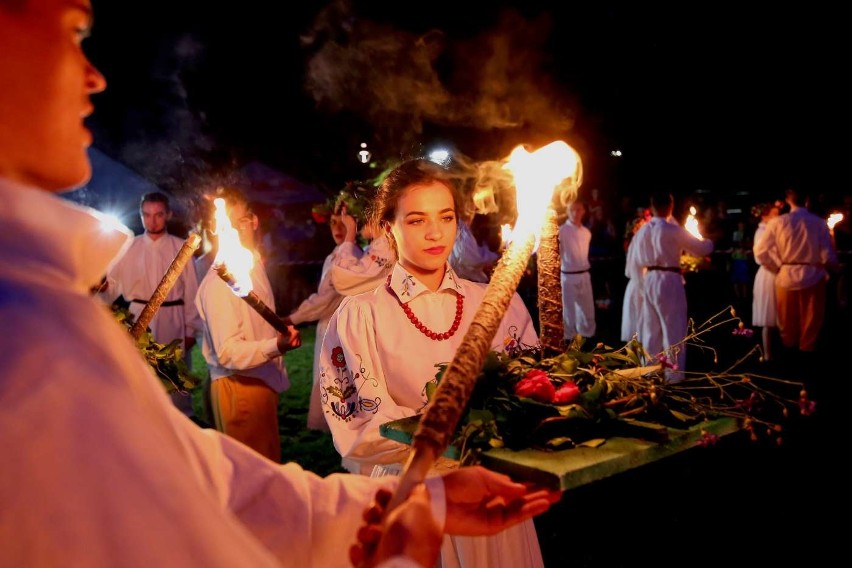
375	364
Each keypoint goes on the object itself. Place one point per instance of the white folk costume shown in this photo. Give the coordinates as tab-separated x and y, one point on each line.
136	275
355	271
578	300
631	309
655	251
763	310
375	366
82	406
239	345
236	338
319	307
802	244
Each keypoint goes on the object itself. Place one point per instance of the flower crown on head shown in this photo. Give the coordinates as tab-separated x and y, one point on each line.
762	209
355	196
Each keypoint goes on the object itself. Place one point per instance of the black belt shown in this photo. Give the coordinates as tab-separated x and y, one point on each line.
664	268
574	272
166	304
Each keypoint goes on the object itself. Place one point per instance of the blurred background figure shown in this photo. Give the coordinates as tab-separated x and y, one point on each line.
244	354
797	246
656	251
578	302
469	258
137	274
320	305
763	311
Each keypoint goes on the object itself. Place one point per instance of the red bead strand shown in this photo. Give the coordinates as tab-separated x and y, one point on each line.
425	330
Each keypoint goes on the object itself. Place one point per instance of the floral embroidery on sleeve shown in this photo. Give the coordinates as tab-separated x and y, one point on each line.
343	397
379	260
511	343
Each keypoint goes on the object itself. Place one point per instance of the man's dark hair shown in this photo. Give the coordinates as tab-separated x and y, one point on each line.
797	197
155	197
661	200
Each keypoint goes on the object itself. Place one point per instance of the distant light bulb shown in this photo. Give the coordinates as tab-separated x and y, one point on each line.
440	156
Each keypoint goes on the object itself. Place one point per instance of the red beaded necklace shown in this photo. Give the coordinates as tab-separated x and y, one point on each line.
419	324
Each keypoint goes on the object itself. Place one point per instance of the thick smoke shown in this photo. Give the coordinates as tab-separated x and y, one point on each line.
494	82
400	80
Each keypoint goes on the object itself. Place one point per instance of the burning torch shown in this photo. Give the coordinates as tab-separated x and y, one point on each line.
536	175
233	265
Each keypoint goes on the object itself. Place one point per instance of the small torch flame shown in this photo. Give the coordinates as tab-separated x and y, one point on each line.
833	220
691	224
238	259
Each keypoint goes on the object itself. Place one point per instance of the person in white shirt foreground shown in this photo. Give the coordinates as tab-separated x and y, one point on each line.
383	347
655	252
106	471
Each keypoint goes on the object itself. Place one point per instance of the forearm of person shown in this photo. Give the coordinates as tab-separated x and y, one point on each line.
303	519
320	304
763	255
238	353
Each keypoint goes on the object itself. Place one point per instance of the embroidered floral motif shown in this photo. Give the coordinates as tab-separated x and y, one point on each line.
370	405
380	260
338	359
342	397
511	342
408	284
451	275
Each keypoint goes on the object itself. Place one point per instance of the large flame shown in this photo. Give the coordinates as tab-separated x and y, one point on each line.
691	224
536	176
834	219
236	258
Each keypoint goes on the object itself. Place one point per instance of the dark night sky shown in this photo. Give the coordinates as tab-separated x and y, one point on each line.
704	96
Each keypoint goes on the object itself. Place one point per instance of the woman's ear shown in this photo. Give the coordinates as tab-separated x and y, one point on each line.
255	222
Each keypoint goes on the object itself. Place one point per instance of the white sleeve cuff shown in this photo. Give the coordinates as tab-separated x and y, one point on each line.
269	347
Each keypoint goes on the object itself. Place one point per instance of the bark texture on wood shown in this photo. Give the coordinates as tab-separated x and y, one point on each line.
551	329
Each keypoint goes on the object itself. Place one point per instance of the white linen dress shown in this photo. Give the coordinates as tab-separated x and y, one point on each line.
578	300
763	310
